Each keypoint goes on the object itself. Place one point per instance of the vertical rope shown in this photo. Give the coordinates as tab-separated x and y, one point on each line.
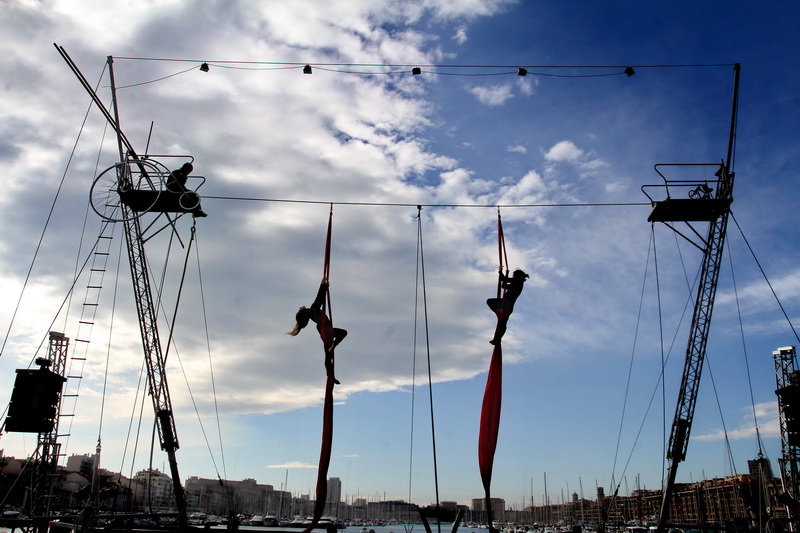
502	256
414	365
744	353
430	375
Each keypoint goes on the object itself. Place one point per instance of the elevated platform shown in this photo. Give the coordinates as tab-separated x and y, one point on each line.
145	185
688	199
165	201
688	209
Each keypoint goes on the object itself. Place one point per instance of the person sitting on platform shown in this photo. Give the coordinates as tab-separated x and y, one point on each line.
177	178
503	307
331	337
176	183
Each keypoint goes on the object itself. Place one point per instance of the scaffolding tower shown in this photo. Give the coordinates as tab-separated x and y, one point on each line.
787	377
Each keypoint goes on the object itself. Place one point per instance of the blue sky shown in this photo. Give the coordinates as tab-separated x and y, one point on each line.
450	136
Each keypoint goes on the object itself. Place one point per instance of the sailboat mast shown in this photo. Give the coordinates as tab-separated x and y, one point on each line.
546	500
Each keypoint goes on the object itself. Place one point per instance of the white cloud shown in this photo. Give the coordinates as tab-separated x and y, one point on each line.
768	424
564	151
518	148
752	298
494	95
461	35
526	86
293	465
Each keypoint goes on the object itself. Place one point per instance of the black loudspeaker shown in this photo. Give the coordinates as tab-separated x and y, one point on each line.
34	401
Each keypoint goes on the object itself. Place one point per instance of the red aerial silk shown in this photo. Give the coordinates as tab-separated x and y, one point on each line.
493	394
490	421
324	454
327	410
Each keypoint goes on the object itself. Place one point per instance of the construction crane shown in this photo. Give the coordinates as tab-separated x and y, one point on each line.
124	193
705	200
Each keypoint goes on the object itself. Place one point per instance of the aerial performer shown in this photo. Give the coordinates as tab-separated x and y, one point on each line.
508	290
503	306
331	336
321	314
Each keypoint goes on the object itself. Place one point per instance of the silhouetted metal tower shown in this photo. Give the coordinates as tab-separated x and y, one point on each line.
705	201
34	408
124	193
787	377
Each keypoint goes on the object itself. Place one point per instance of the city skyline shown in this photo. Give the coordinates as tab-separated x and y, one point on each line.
84	464
741	500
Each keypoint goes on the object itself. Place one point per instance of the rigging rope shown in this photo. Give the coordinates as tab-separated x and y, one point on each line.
303	63
421	270
502	256
728	449
630	369
221	479
170	342
105	376
656	272
794	331
690	288
746	359
77	361
44	230
414	354
402	204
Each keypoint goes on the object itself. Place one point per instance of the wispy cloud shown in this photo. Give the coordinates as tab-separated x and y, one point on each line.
461	35
493	95
293	465
768	424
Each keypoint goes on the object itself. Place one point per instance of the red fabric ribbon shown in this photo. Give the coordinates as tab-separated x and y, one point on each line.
490	422
327	410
